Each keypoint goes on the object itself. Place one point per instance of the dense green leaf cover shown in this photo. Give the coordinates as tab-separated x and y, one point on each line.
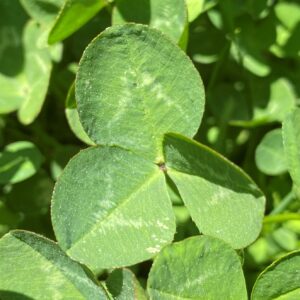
128	129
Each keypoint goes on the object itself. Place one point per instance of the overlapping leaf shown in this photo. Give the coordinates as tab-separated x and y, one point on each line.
281	280
19	161
41	270
106	202
222	200
197	268
73	118
73	15
169	16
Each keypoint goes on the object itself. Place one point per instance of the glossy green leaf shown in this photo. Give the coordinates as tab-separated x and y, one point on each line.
200	267
291	140
19	161
41	270
169	16
222	200
73	117
269	155
73	15
106	202
281	280
43	11
37	75
151	89
123	285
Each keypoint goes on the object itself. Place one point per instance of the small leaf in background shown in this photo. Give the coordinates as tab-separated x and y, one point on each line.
37	75
291	141
73	117
272	99
19	161
40	263
12	21
269	155
222	200
73	15
153	84
42	11
99	220
169	16
31	196
197	268
281	280
123	285
197	7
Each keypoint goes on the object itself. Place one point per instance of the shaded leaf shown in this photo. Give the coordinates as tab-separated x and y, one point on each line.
123	285
19	161
73	117
291	140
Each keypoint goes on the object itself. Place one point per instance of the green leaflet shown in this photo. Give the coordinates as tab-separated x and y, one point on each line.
222	200
19	161
269	155
291	139
197	268
169	16
123	285
10	97
41	270
73	15
42	11
106	202
37	72
281	280
12	21
151	89
73	118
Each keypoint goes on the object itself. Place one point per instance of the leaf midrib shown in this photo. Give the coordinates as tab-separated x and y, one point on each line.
122	203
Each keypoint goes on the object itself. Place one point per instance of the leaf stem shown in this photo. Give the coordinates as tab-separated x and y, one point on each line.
288	199
281	218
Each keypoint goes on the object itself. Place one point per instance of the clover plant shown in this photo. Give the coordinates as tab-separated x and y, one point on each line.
128	129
